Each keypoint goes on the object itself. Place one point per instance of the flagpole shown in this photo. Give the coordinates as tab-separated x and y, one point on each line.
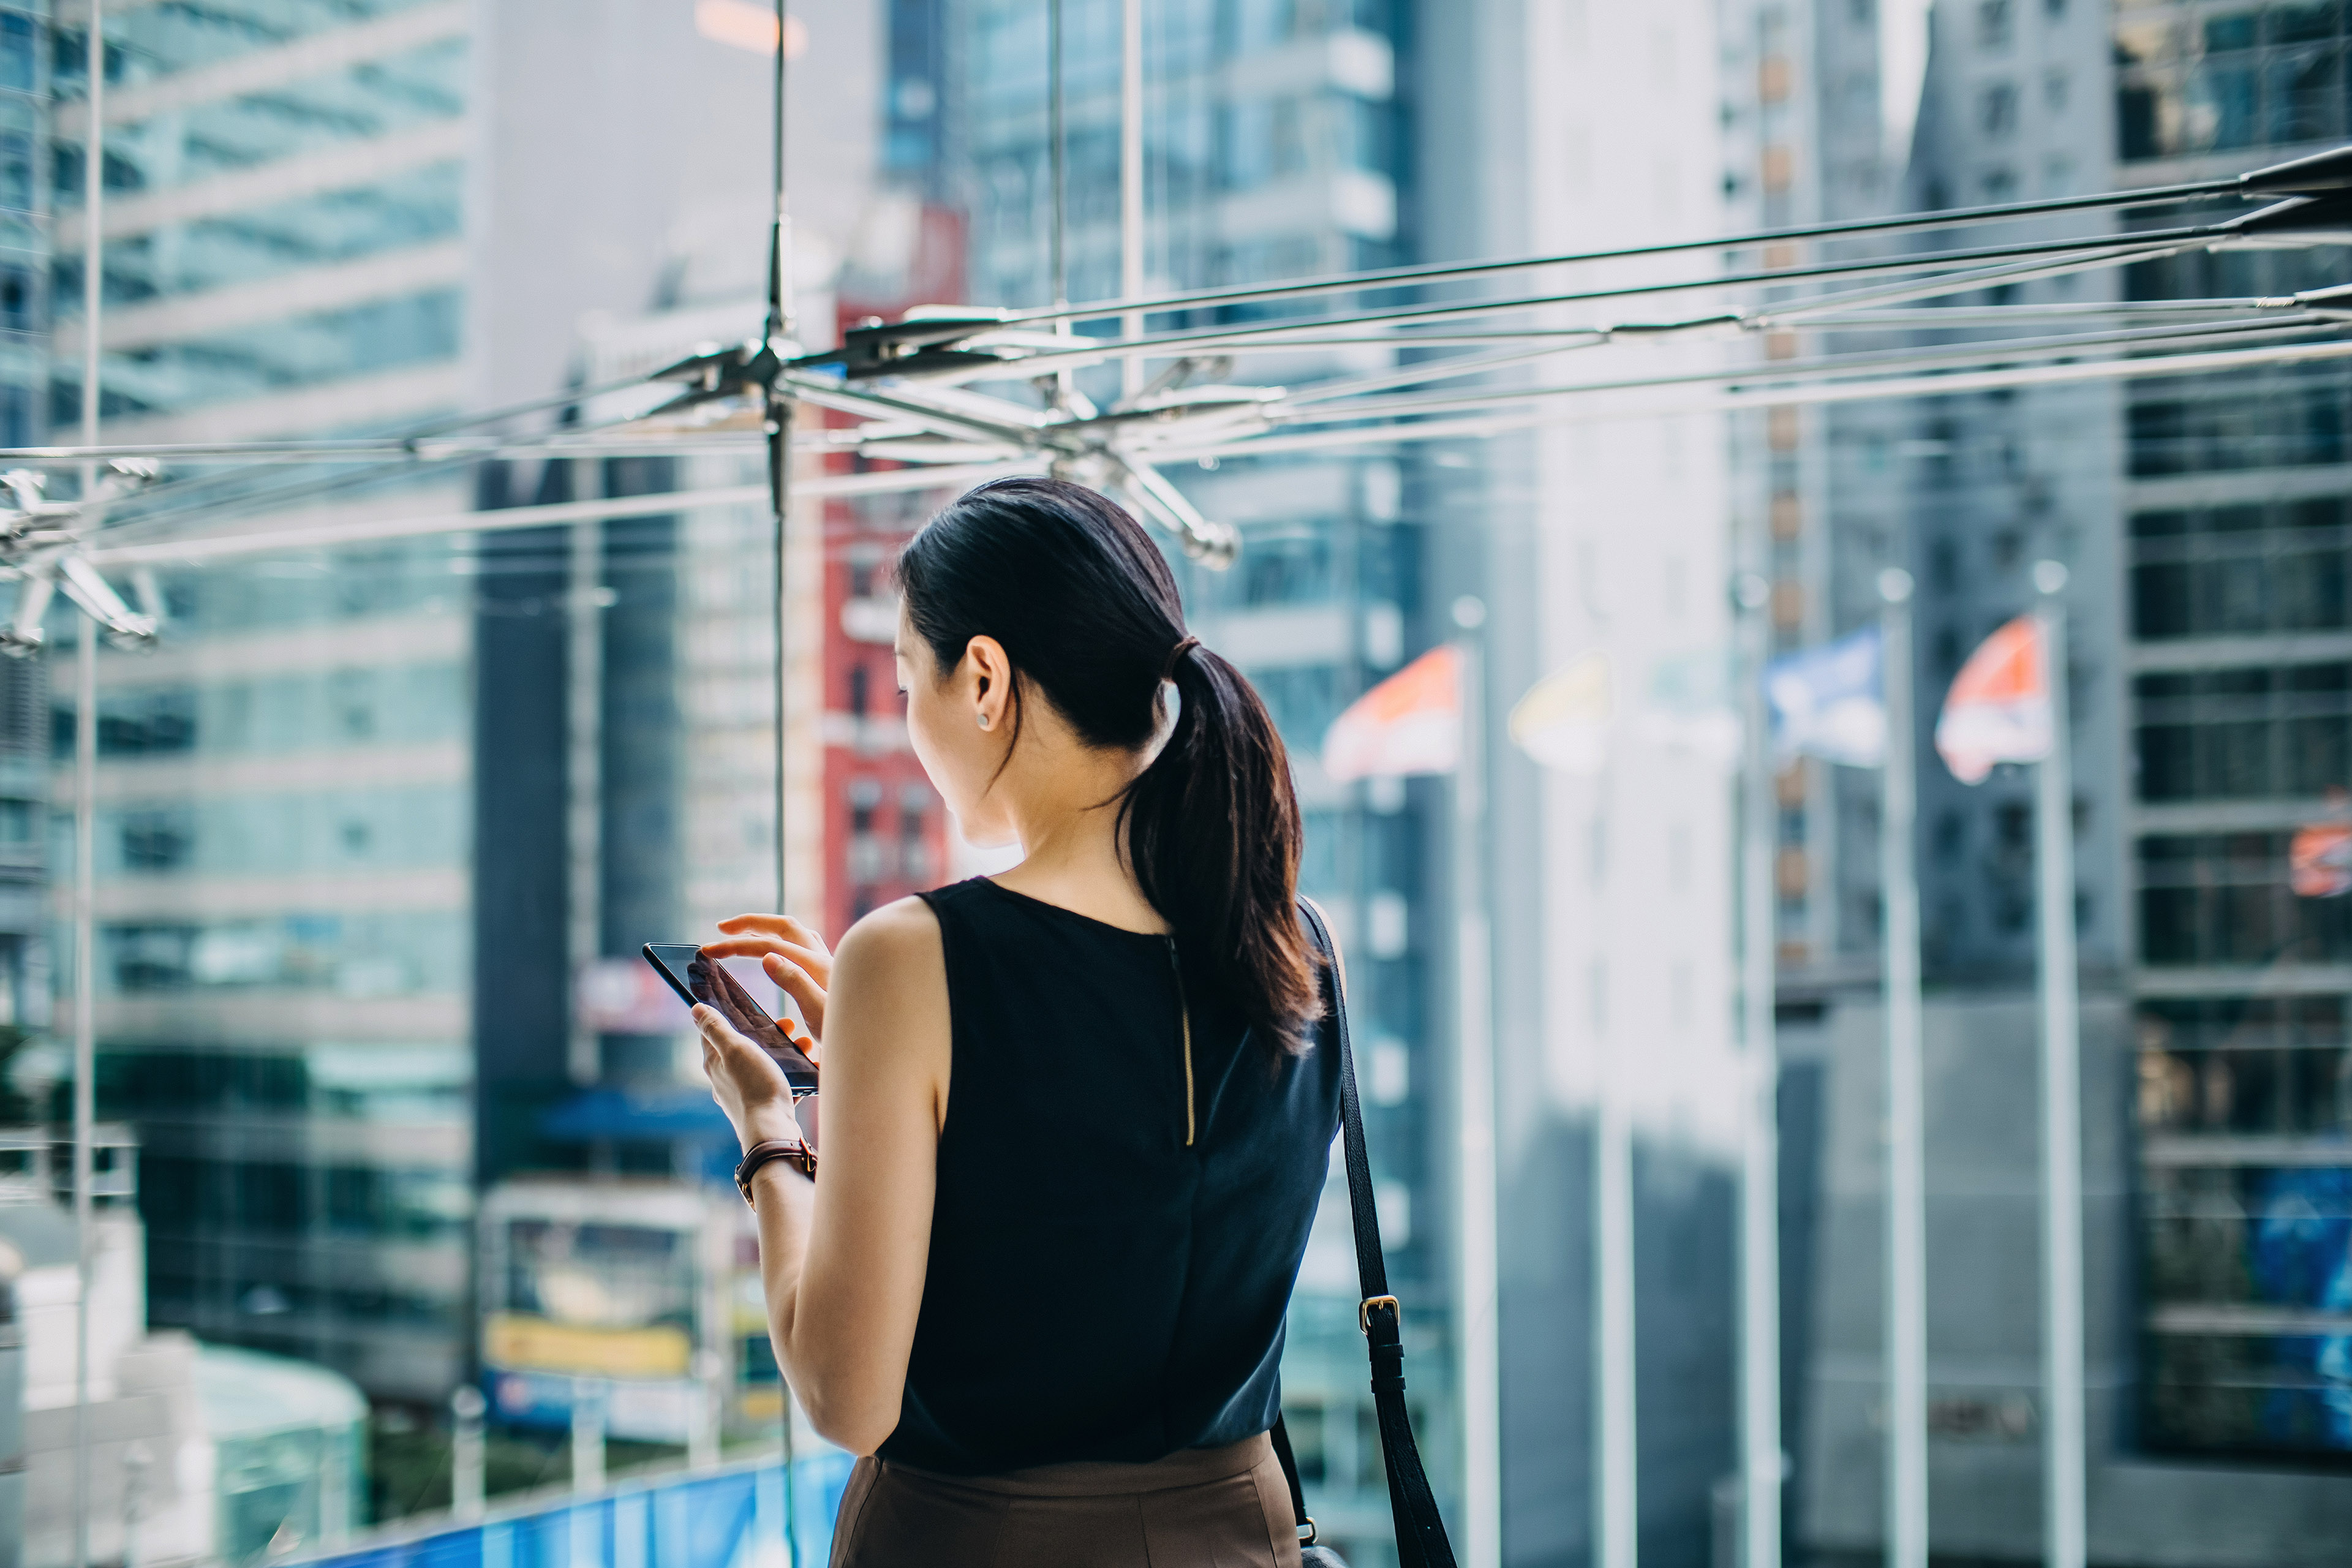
1761	1463
2064	1508
1620	1499
1617	1483
1481	1336
1907	1202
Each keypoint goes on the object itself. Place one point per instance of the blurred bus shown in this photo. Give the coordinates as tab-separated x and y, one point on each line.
643	1293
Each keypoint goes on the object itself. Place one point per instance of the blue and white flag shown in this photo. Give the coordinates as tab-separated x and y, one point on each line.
1830	701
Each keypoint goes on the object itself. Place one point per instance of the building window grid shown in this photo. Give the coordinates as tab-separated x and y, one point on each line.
2260	568
2242	1197
2215	78
2245	733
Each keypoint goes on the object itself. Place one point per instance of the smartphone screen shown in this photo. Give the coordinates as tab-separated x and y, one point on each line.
699	979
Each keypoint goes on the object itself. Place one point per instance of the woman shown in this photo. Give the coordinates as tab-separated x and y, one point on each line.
1075	1126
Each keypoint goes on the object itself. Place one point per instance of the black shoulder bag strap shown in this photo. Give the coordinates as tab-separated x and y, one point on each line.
1420	1533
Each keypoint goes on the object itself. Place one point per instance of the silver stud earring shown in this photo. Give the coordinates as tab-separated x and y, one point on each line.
983	720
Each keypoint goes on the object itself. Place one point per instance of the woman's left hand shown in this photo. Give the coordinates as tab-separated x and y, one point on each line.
790	954
746	1081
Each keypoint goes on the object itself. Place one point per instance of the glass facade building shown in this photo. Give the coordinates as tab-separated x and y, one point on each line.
2202	520
284	837
2240	654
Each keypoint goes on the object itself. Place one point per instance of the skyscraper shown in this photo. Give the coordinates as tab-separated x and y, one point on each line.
2198	517
324	788
284	878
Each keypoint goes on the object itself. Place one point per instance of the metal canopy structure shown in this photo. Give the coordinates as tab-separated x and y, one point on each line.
951	393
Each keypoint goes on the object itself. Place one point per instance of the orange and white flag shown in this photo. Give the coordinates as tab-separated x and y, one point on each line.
1409	723
1998	708
2320	861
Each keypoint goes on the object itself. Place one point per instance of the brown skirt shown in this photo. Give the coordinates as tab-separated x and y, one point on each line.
1201	1507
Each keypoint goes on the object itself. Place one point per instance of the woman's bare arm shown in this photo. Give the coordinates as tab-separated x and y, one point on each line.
842	1258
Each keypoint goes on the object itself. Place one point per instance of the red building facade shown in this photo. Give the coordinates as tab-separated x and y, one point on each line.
885	829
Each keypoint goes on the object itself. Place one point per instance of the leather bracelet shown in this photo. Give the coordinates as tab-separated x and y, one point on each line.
795	1153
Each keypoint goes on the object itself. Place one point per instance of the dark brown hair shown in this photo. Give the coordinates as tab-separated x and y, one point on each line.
1087	612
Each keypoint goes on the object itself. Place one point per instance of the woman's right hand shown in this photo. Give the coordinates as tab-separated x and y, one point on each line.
790	954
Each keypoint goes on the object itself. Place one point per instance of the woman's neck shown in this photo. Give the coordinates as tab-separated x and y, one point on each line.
1065	813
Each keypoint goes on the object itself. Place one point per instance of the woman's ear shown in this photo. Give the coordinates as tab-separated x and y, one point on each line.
991	673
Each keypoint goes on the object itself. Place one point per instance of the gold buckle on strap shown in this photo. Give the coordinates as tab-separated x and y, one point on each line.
1364	1312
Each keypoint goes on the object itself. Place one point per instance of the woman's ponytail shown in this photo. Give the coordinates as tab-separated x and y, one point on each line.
1088	611
1214	830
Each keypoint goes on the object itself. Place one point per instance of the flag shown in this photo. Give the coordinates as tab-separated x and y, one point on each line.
1998	708
1831	701
1689	708
1562	721
1409	723
2320	861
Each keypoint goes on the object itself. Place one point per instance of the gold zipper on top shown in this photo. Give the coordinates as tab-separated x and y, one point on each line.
1185	1013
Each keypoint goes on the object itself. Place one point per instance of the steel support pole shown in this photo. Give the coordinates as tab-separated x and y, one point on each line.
1131	185
1906	1215
781	410
1058	253
582	783
93	268
589	1396
2064	1524
1761	1465
466	1455
85	1056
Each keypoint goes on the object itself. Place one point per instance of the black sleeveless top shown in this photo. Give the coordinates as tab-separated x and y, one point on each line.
1096	1289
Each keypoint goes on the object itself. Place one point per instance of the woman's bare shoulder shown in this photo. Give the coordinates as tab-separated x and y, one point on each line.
901	933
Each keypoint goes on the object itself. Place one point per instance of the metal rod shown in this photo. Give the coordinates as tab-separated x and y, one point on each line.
1400	276
780	493
582	783
93	291
1938	383
1056	155
1906	1217
186	494
1759	1200
2092	250
85	1054
265	541
1130	183
780	289
1791	373
780	483
2062	1428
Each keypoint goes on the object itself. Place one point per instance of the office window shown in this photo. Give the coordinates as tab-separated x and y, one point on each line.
2225	899
1997	110
2244	733
2237	570
2243	1228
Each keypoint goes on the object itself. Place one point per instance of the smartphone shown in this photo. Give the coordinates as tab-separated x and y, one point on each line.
699	979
